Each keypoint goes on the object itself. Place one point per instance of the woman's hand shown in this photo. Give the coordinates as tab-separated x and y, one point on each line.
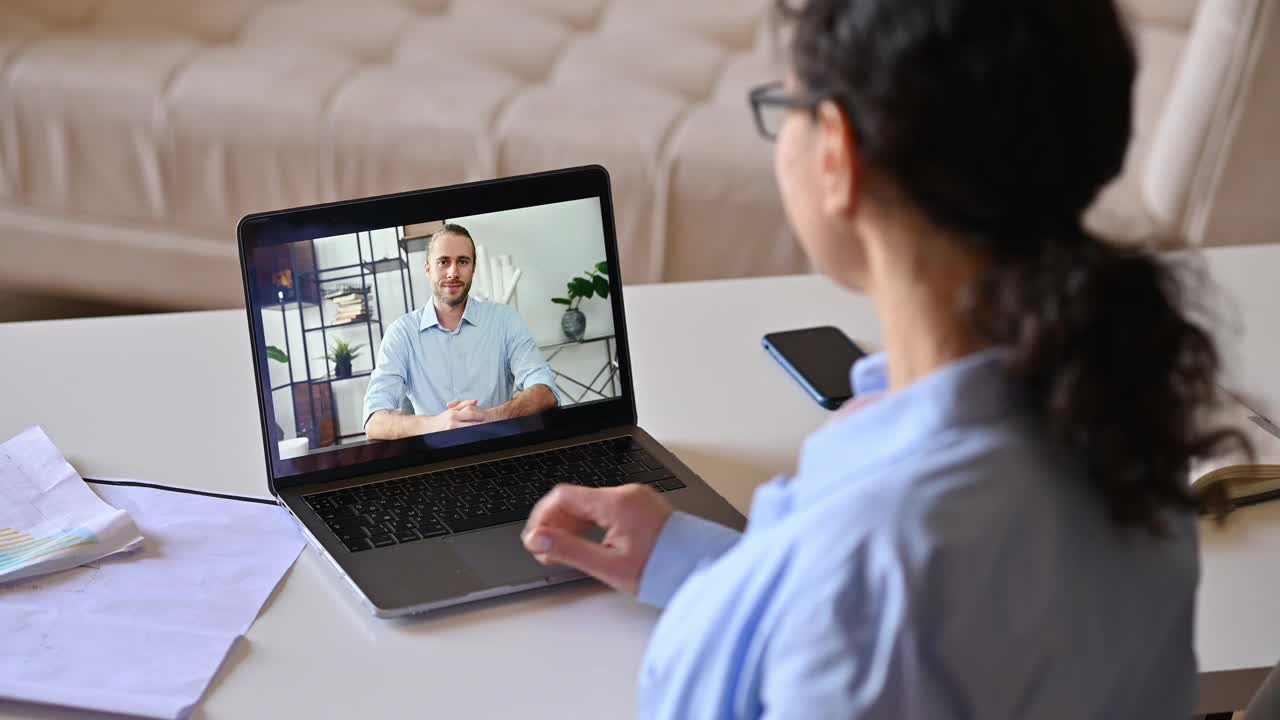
632	516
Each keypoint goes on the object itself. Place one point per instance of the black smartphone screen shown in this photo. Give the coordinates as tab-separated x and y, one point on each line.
819	359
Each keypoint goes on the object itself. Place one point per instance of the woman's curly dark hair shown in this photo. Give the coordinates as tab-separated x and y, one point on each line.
1000	120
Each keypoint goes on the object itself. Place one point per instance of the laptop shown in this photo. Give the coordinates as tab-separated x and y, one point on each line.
361	361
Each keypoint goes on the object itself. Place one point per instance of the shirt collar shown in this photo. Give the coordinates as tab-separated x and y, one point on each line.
472	314
972	390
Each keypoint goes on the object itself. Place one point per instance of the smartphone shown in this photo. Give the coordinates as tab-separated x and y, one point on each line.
819	358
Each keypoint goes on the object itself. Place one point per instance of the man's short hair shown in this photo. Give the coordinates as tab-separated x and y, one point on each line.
451	229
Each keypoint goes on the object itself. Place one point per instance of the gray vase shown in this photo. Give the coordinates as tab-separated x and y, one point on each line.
574	324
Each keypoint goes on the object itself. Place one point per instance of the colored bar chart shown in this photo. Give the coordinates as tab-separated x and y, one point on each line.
19	548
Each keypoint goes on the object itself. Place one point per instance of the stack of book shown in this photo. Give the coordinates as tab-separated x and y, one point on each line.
352	306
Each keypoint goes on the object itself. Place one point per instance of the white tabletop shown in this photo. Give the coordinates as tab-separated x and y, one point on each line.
170	399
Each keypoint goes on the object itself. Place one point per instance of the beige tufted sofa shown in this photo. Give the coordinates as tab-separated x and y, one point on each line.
135	133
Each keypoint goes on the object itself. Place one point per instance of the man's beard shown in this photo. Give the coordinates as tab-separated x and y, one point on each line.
453	302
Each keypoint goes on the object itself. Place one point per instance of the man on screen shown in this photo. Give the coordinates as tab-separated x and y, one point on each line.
461	361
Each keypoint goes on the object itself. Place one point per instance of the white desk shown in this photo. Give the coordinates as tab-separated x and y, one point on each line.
170	399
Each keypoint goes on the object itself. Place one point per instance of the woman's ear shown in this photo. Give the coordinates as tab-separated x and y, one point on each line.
838	162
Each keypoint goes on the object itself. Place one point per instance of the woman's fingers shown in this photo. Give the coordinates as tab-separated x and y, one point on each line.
631	516
552	545
586	505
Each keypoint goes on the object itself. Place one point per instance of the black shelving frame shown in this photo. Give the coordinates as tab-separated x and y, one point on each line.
366	271
588	388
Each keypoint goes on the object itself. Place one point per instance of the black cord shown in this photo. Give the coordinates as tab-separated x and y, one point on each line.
189	491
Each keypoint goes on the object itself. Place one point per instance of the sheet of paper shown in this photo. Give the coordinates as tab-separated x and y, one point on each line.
144	633
49	519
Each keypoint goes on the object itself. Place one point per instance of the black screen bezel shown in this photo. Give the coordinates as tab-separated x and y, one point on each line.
362	215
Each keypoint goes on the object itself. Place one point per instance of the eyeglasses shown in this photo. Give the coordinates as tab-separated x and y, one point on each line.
770	103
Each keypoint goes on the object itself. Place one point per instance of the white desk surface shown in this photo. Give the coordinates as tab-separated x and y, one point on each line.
170	399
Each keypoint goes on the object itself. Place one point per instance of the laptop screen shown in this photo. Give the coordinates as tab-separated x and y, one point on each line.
429	334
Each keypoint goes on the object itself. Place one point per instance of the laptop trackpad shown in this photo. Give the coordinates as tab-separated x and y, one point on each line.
498	557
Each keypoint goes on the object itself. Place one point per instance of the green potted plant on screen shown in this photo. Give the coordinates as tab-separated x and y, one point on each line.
341	355
595	282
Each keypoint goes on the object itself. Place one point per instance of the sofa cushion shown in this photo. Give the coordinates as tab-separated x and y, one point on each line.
365	33
61	13
520	42
740	73
688	66
17	28
90	122
228	157
432	125
209	22
622	126
731	24
718	161
577	14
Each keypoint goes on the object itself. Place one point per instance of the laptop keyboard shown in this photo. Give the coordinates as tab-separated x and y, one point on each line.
408	509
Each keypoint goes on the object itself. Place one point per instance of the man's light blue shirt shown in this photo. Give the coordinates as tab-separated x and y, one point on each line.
487	358
932	558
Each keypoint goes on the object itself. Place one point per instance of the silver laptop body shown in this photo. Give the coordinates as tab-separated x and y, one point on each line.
442	560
